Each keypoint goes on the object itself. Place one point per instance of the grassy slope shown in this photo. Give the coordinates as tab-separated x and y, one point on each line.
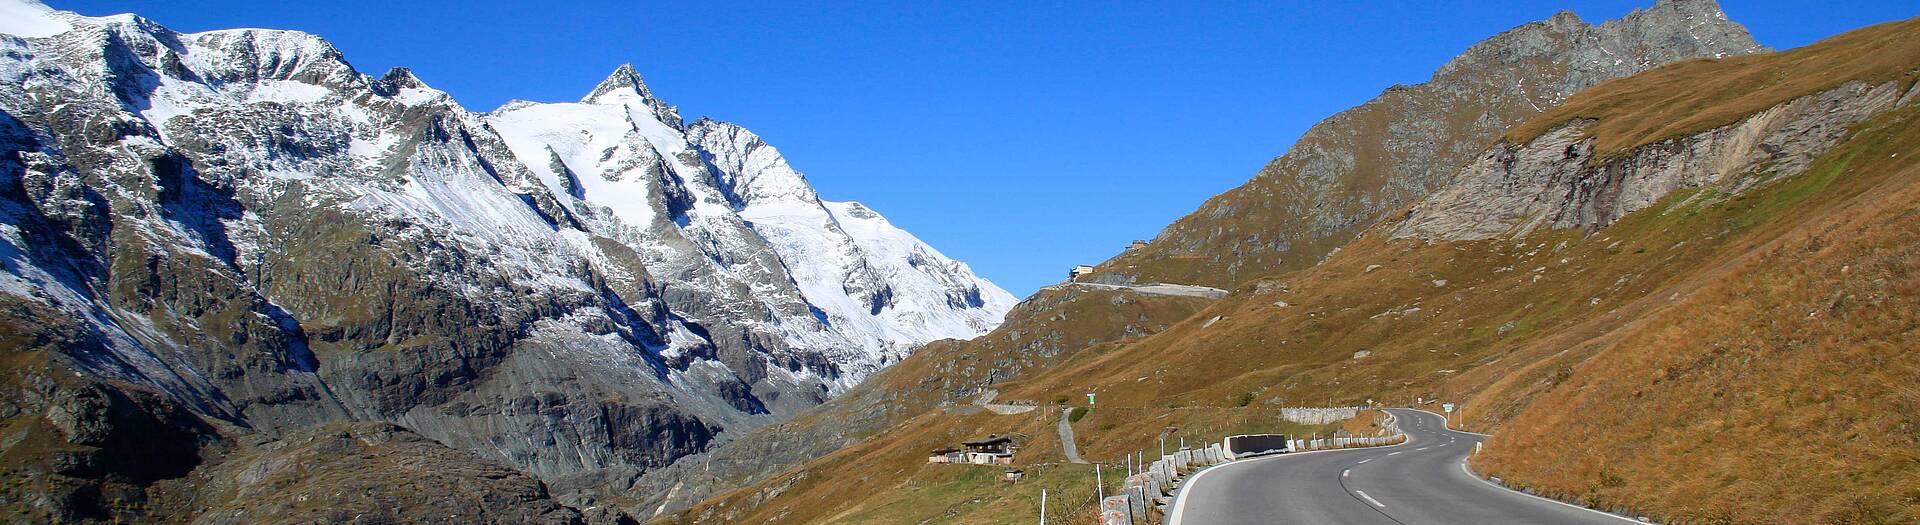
885	480
1646	108
1705	292
1052	326
1279	203
1784	386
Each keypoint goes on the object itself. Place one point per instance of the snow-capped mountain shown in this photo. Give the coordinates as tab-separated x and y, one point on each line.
711	202
242	221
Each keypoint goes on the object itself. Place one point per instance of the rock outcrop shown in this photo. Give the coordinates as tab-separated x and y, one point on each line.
1559	181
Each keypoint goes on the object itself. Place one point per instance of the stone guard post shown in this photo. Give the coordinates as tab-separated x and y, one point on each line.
1115	510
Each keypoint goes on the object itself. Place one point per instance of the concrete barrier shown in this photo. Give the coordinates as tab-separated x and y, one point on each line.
1236	447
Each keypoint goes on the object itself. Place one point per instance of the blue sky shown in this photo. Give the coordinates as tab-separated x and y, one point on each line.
1021	137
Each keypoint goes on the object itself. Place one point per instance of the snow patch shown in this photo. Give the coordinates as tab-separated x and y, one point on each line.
30	19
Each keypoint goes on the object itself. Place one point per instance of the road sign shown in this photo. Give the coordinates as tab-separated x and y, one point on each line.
1089	398
1447	407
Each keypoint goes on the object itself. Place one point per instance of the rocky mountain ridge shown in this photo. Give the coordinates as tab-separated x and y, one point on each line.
1356	167
239	225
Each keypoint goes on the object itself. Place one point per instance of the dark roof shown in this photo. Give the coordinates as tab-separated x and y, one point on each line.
990	440
944	451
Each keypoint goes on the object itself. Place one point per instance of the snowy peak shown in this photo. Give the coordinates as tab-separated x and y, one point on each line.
400	78
849	285
624	81
624	86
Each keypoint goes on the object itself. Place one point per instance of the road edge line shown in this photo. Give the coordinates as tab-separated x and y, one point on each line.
1446	424
1180	498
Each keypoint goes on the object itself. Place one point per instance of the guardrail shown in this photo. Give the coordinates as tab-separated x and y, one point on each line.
1156	483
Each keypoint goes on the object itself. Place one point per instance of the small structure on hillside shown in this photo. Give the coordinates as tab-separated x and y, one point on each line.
1014	475
1078	272
1137	244
994	450
947	455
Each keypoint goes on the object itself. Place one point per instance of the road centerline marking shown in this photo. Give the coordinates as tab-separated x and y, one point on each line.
1375	502
1346	473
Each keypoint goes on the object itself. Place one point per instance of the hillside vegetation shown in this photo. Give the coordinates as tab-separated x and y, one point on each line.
945	377
1647	108
1741	351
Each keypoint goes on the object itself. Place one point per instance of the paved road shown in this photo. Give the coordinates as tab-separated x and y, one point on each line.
1066	438
1187	290
1420	482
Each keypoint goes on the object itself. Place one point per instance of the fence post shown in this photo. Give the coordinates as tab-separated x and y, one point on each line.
1043	506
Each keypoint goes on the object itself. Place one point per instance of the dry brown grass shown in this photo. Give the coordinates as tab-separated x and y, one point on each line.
886	480
1689	97
1051	326
1781	392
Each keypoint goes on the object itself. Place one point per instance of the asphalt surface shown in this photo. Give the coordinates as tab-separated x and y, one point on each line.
1420	482
1066	438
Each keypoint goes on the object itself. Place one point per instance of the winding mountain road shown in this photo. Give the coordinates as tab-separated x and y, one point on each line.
1423	481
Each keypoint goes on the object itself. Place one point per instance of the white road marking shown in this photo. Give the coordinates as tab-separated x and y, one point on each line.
1396	453
1364	461
1346	473
1180	497
1421	448
1375	502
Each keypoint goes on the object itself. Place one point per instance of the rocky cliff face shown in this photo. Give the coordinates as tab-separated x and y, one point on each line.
1559	181
240	224
1352	169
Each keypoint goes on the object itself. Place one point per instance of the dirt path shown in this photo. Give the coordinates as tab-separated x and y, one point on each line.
1066	439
